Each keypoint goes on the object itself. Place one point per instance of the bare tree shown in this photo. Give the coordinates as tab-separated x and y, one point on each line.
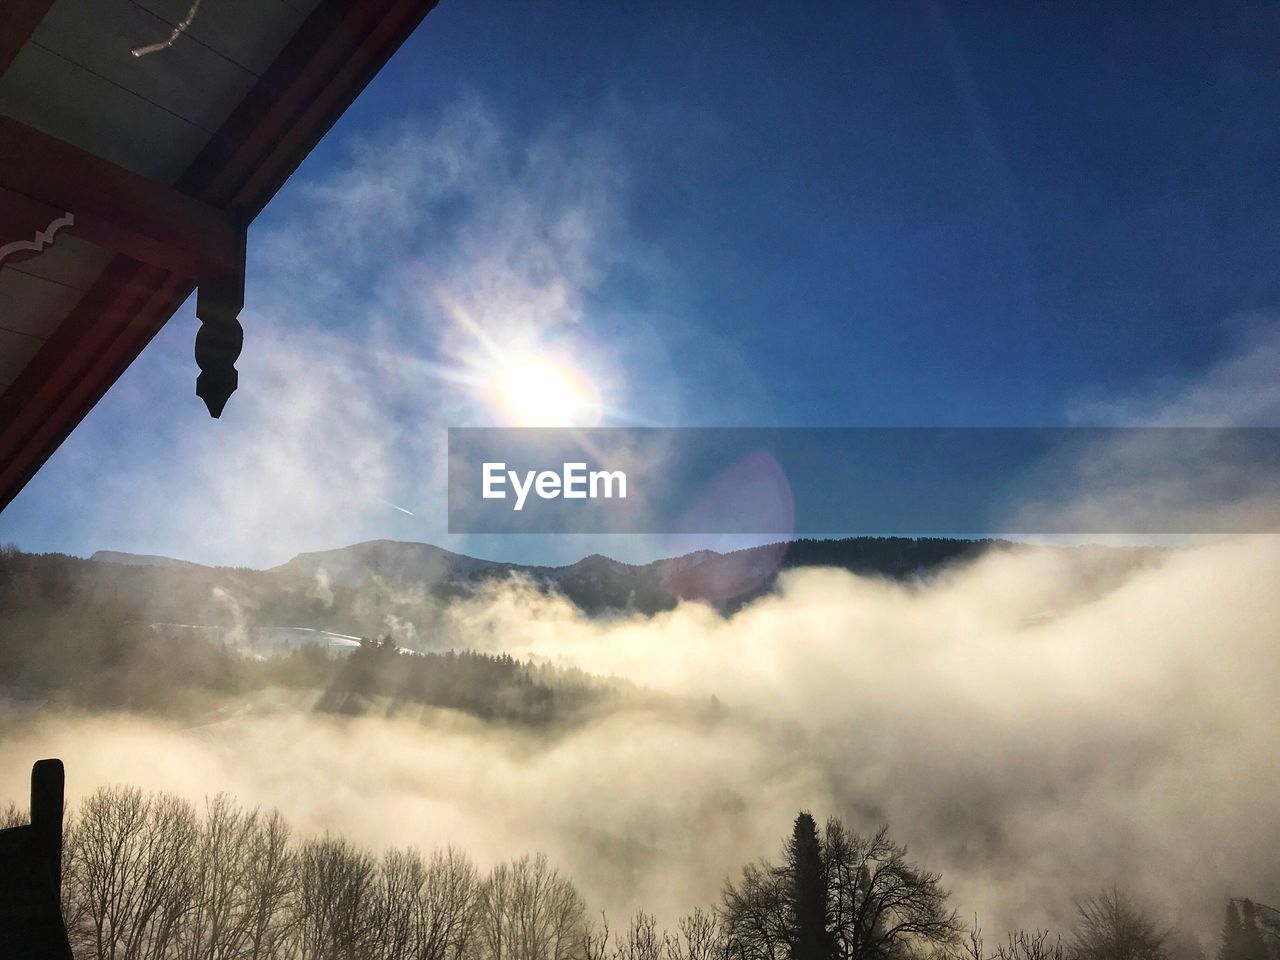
218	925
133	878
426	907
13	816
75	913
595	940
756	912
527	910
399	877
973	946
1020	945
642	941
698	938
335	907
1110	926
878	905
1038	945
270	888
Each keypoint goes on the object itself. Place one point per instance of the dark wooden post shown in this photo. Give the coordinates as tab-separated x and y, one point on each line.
47	783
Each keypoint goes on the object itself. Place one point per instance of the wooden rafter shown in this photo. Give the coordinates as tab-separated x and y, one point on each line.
113	207
18	20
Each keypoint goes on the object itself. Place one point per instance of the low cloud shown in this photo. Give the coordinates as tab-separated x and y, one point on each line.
1037	724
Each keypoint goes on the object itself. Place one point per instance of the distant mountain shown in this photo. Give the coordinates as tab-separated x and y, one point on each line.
388	586
140	559
598	583
399	561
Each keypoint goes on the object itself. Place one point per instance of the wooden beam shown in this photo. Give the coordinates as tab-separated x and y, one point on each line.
18	20
116	208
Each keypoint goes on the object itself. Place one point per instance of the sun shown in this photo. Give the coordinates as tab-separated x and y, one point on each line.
543	393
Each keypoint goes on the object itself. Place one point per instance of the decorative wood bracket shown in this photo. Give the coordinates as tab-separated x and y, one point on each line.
219	301
33	227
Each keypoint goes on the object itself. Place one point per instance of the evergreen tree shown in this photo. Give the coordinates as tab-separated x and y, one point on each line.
809	938
844	897
1230	949
1252	946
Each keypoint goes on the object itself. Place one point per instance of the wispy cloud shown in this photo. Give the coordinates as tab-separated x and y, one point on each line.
1238	388
379	296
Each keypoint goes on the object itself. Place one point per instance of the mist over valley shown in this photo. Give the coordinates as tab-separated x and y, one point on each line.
1034	723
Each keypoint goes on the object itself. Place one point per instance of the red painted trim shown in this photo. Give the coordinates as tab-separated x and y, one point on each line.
18	20
116	208
333	56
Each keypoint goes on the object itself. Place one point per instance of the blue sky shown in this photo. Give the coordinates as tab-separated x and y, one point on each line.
737	214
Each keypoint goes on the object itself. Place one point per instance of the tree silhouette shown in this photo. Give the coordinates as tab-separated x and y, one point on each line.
875	903
1110	926
1251	944
807	873
528	910
1230	948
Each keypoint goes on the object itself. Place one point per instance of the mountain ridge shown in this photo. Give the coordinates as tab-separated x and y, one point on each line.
596	583
408	589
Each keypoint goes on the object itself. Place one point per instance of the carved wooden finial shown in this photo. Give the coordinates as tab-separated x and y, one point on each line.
218	344
218	304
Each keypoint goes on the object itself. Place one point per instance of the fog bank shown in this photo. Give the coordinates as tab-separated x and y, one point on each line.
1036	725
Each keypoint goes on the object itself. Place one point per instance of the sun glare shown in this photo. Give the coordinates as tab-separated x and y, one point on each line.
540	393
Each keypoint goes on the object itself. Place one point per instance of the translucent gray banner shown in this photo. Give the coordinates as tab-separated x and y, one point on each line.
909	481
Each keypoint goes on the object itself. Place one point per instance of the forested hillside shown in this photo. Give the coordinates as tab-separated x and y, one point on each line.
405	588
65	640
